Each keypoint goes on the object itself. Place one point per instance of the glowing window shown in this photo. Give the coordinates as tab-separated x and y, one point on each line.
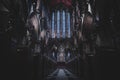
62	21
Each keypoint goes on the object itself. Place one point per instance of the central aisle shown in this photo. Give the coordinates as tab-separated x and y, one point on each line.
62	74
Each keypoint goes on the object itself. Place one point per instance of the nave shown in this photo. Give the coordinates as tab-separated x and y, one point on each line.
59	39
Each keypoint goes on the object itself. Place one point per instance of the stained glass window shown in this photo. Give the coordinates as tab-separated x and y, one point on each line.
53	25
63	24
62	21
58	24
68	22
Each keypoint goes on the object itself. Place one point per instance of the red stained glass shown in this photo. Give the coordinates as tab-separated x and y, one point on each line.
67	3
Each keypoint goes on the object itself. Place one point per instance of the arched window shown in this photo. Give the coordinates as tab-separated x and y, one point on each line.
61	27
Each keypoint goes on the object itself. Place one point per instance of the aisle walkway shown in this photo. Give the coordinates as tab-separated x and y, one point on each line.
62	74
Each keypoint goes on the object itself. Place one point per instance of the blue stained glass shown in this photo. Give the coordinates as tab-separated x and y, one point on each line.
62	24
63	15
68	25
53	25
58	24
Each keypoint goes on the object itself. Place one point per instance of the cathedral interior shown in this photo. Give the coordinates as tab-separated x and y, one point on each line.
59	39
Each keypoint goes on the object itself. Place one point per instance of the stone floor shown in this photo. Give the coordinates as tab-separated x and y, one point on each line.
62	74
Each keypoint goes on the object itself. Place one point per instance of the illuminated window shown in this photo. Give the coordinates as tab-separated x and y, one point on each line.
61	24
68	22
53	33
58	24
